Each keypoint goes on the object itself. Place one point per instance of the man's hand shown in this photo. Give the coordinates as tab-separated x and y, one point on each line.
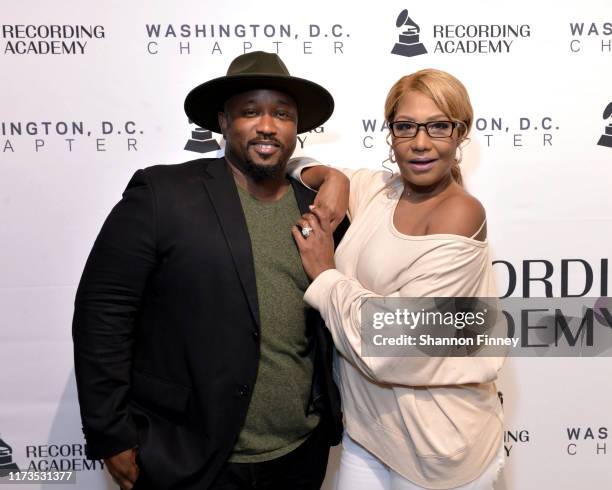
333	186
123	468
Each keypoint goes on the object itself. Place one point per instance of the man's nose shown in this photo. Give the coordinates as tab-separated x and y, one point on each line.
266	124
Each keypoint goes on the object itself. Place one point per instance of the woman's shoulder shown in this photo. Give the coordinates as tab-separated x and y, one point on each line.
372	176
459	213
367	183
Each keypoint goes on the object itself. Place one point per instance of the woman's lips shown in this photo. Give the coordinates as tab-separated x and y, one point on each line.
422	165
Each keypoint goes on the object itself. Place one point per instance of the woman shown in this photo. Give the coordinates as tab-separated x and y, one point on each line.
411	423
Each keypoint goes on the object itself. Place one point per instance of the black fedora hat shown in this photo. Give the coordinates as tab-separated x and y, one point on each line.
259	70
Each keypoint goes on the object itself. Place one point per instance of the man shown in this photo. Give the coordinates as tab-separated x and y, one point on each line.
197	363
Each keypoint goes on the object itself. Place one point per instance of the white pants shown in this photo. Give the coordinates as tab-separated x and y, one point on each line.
361	470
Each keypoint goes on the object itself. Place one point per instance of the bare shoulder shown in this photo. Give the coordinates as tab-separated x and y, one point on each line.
459	214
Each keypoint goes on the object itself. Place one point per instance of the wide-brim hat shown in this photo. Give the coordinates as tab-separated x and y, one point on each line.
259	70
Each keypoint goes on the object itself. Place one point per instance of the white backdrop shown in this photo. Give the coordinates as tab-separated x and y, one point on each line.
539	91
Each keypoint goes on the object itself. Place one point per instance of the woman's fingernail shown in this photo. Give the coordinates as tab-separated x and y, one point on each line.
312	206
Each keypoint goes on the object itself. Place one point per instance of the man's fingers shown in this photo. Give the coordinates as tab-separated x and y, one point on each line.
123	482
134	472
123	468
128	485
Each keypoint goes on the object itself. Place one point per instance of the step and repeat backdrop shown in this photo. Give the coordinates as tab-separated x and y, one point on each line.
92	91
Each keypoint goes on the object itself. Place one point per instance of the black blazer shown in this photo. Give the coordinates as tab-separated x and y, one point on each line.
166	326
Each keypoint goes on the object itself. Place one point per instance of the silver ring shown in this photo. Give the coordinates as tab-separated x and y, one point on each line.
306	231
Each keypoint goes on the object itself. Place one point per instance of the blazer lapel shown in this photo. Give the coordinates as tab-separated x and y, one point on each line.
303	195
224	197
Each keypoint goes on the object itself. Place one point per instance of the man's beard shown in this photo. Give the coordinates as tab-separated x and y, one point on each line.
260	173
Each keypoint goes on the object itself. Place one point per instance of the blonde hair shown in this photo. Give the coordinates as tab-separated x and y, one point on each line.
448	93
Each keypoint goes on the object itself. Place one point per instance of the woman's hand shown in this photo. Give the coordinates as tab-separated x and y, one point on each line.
333	191
316	250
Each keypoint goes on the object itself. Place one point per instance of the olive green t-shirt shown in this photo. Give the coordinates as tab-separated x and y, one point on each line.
279	416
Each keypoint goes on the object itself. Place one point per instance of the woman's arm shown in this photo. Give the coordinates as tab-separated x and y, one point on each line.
315	177
363	183
309	171
332	185
334	189
339	299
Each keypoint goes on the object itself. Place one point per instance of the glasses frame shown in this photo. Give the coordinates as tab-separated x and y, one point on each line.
454	124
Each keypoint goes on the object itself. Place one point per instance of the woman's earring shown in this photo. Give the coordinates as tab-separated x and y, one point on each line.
391	157
460	156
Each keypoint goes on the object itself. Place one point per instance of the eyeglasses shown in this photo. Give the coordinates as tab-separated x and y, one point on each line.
434	129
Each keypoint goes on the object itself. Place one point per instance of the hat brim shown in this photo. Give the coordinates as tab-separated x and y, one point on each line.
314	103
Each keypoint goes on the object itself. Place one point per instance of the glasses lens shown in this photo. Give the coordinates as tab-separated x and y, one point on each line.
440	129
404	129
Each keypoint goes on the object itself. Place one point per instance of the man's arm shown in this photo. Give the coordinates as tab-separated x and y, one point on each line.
106	307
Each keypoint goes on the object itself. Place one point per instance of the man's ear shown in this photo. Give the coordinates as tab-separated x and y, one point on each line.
222	118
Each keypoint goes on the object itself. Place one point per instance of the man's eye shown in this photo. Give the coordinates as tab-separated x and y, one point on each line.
249	112
283	114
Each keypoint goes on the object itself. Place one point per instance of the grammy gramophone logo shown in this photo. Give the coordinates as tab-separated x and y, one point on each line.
409	43
6	459
606	138
201	141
